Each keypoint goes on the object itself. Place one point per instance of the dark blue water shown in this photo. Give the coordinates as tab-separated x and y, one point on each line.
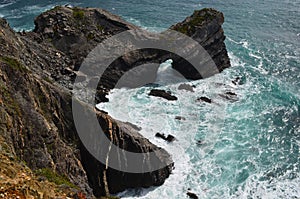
257	151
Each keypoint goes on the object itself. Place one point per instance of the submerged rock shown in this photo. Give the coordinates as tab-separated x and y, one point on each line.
163	94
231	96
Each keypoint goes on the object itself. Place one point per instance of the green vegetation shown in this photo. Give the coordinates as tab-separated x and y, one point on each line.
100	28
13	63
54	177
90	36
78	14
197	19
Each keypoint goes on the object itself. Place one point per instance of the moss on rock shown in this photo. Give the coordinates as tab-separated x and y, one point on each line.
54	177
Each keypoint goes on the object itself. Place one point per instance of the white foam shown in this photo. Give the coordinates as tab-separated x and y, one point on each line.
235	61
158	115
167	75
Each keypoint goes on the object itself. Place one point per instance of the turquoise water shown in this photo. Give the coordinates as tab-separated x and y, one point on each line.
250	147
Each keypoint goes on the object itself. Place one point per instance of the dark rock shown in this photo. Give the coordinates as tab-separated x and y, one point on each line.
204	26
125	137
192	195
180	118
186	87
239	81
205	99
169	138
199	142
163	94
231	93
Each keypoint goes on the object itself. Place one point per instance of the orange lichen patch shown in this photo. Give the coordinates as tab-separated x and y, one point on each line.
17	181
12	194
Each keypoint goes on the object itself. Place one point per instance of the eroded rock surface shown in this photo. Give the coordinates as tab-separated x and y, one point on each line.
37	71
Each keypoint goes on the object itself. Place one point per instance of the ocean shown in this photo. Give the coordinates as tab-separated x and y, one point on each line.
250	146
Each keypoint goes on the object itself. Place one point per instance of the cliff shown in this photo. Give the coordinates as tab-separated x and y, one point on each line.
37	131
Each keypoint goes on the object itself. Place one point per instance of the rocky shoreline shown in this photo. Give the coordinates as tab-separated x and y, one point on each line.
37	71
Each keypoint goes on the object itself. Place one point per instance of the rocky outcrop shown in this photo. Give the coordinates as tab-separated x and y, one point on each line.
169	138
37	70
74	32
163	94
204	26
205	99
125	137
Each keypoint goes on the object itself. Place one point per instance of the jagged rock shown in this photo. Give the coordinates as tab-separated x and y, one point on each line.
205	99
125	137
204	26
239	80
80	32
169	138
163	94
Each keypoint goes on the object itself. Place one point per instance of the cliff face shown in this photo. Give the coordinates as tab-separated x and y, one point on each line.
37	70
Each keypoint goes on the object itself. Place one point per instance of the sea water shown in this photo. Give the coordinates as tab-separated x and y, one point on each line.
250	145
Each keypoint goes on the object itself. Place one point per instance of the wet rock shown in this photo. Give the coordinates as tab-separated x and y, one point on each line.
199	142
192	195
205	99
186	87
163	94
169	138
239	81
180	118
231	93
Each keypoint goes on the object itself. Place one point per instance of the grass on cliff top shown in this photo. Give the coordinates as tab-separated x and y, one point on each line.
196	20
14	64
54	177
78	14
